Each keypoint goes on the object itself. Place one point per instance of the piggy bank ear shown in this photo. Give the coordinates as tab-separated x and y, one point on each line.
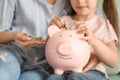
52	30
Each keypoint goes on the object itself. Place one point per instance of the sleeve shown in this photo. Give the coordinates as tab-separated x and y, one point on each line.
6	14
107	33
112	32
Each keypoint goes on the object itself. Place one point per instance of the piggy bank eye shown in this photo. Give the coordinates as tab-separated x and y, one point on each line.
70	35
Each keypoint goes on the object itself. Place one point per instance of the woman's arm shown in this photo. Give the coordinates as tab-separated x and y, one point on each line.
7	8
21	38
6	37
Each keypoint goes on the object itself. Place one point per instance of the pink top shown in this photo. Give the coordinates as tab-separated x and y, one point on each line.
102	29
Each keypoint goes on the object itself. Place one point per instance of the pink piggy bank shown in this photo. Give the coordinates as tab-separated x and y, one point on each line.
65	51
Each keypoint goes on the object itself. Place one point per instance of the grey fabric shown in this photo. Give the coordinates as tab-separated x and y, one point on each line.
29	58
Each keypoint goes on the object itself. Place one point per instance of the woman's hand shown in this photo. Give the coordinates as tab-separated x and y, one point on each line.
25	40
59	22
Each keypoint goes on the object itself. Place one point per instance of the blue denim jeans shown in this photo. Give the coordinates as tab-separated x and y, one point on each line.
10	68
90	75
33	75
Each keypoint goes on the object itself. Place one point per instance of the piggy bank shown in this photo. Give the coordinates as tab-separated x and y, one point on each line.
65	51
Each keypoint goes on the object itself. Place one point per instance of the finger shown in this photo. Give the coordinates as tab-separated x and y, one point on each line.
25	37
58	21
41	40
82	30
35	42
92	62
61	22
66	26
85	38
55	21
89	66
78	23
31	45
80	26
25	43
21	43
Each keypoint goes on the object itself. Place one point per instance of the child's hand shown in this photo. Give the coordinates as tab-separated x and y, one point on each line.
83	29
93	61
59	22
25	40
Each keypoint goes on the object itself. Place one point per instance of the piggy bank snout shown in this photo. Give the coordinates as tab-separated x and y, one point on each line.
64	48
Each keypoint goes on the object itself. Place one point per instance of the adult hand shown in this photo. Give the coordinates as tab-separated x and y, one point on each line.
59	22
25	40
92	62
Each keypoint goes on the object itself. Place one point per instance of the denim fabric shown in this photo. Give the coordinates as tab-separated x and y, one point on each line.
33	75
90	75
10	69
56	77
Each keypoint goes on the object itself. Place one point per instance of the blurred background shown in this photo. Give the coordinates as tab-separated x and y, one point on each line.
114	74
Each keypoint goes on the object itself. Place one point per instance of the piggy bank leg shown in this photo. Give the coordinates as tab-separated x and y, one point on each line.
58	72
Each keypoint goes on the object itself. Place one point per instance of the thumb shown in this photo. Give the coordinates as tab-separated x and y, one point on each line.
87	67
25	37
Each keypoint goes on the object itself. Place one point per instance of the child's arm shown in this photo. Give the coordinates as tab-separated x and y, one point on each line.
107	53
